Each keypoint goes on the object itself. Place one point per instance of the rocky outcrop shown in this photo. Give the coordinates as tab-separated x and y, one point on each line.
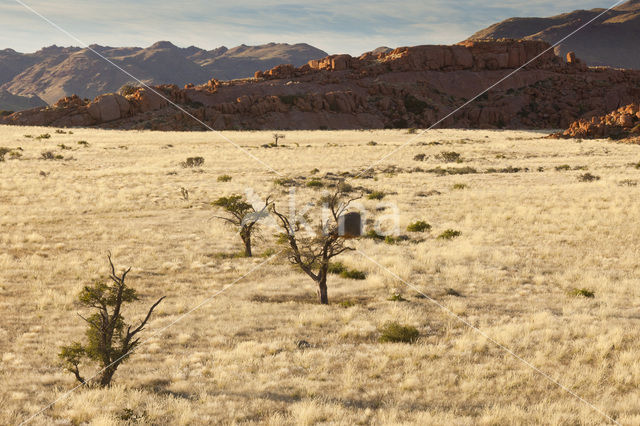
623	123
405	87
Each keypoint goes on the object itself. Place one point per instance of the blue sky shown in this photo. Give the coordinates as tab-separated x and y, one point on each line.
332	25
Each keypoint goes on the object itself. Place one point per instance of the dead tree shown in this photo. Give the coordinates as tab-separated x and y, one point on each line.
277	137
110	340
241	215
312	252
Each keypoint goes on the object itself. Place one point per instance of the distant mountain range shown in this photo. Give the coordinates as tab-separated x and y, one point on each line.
54	72
612	40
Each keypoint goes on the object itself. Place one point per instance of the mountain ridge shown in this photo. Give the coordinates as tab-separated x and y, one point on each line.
54	72
609	41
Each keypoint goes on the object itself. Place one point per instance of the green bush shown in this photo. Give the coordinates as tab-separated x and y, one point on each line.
449	234
44	136
83	143
224	178
336	268
583	292
128	89
396	297
459	186
374	235
314	183
418	226
393	332
353	274
376	195
372	143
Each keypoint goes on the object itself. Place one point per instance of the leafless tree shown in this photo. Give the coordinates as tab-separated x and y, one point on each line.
277	137
110	340
313	251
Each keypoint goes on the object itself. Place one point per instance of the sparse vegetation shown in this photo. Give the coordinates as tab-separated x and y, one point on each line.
44	136
50	155
460	186
4	151
314	183
128	89
224	178
109	339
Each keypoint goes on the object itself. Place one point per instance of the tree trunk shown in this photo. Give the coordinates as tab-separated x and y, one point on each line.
107	375
322	287
246	239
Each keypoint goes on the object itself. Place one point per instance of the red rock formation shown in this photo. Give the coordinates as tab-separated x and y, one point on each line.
623	123
405	87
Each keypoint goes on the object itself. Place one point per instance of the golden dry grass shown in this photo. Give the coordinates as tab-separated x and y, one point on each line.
527	240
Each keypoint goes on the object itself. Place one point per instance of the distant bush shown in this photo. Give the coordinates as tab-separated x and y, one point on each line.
314	183
419	157
563	168
60	132
396	297
588	177
44	136
193	162
450	157
374	235
393	332
583	292
449	234
376	195
224	178
4	151
372	143
418	226
338	268
459	186
83	143
48	155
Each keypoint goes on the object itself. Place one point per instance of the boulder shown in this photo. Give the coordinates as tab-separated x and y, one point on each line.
106	108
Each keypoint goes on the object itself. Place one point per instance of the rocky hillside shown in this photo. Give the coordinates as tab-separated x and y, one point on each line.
612	40
55	72
401	88
11	102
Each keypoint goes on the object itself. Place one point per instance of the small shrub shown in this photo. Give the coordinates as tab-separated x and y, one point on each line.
44	136
4	151
374	235
452	292
450	157
284	182
419	157
412	131
459	186
449	234
268	252
396	297
224	178
353	274
64	147
583	292
192	162
393	332
628	182
390	239
83	143
347	304
336	268
376	195
372	143
314	183
48	155
588	177
314	171
60	132
563	168
418	226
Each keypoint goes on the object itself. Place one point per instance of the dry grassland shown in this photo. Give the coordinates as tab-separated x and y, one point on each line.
528	240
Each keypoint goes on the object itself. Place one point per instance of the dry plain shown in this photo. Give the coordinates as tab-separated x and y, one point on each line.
528	239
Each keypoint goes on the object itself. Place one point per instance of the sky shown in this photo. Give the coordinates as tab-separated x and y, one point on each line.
336	26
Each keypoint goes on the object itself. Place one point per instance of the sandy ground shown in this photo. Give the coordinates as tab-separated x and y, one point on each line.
528	239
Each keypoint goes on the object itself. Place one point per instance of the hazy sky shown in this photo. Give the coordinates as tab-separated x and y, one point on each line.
336	26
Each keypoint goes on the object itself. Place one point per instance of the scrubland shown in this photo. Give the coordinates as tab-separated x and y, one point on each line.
529	241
